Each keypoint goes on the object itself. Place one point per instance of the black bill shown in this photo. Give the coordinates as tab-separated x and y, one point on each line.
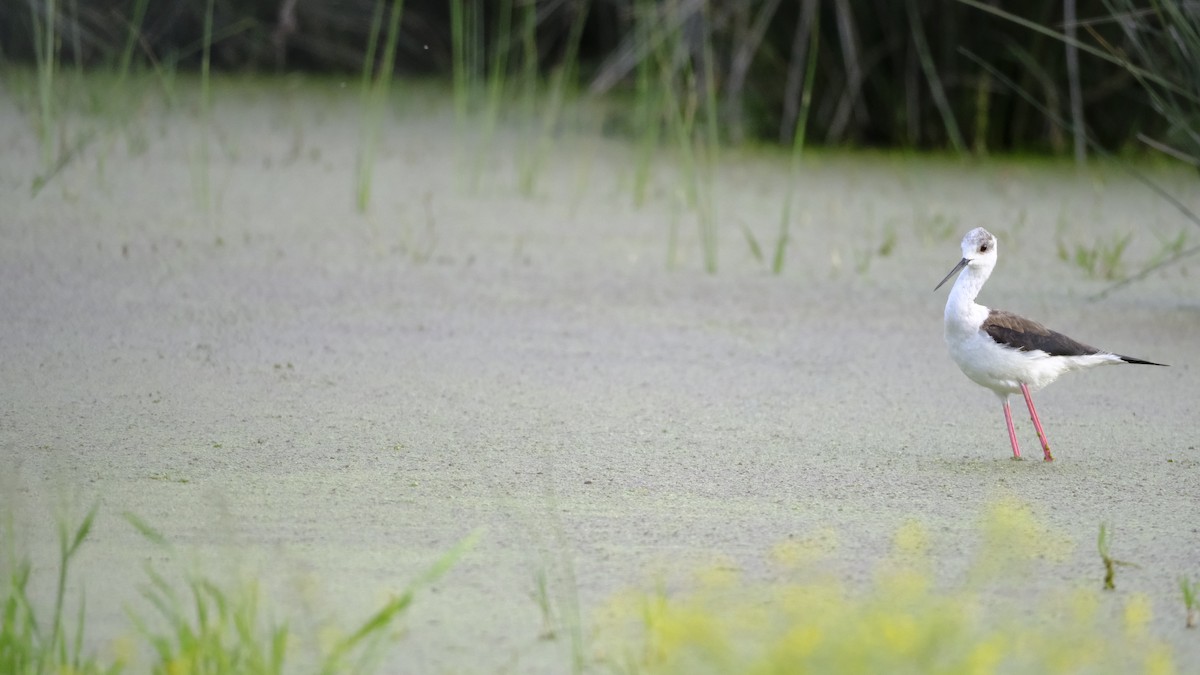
961	264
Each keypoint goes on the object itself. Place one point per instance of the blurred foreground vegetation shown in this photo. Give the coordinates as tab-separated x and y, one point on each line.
906	621
804	617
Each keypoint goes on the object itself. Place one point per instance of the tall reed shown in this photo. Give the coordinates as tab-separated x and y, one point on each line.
201	162
798	136
45	36
376	84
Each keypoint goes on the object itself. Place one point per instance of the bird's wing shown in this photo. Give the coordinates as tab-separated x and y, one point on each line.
1012	330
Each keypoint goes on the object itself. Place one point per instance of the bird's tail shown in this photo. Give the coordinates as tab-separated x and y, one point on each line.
1130	359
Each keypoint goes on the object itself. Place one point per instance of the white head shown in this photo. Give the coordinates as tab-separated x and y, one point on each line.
979	253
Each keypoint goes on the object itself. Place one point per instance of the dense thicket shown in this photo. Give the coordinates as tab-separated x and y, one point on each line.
887	72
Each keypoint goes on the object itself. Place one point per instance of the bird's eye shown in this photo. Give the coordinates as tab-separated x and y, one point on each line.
983	248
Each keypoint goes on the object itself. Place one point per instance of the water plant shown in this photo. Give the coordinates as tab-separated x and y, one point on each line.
45	37
647	107
1191	591
935	225
1104	546
1161	45
1162	52
556	587
467	52
560	81
56	148
201	161
1170	248
374	86
799	133
1102	259
686	79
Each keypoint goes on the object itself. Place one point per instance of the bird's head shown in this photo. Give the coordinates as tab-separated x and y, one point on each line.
978	250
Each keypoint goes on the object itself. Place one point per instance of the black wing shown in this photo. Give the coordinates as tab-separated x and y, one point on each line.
1020	333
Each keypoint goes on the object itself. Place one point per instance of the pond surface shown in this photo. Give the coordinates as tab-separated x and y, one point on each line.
201	329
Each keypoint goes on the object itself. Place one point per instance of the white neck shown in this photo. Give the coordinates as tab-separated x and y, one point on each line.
961	309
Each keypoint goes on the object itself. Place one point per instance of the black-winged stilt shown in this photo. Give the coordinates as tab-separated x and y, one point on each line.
1005	352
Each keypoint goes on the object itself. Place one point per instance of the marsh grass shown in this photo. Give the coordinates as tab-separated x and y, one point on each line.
1102	259
1191	604
710	146
374	88
497	75
647	107
756	251
804	618
1104	547
467	45
201	161
556	594
935	225
218	628
497	71
1163	54
799	135
57	148
673	111
556	586
1160	51
687	106
464	23
201	626
45	36
78	108
562	83
1170	248
27	643
883	248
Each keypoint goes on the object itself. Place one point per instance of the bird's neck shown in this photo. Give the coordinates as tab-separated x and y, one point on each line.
961	308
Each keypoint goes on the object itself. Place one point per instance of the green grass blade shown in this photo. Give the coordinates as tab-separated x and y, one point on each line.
279	640
149	533
77	644
935	81
1189	592
84	528
798	137
374	99
458	53
380	620
752	242
135	30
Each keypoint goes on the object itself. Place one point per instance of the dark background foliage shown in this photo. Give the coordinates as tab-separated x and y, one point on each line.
870	86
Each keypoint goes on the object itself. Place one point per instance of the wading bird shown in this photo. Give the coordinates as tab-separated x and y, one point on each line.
1005	352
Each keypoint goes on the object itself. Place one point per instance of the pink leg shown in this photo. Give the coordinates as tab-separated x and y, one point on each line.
1037	424
1012	432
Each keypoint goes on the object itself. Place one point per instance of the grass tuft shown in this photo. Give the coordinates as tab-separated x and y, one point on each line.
200	627
26	644
1101	260
1191	604
1104	546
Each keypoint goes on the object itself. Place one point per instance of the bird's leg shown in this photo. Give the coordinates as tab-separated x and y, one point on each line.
1012	432
1037	424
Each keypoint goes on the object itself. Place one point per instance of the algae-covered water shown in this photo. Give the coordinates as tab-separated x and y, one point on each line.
200	328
